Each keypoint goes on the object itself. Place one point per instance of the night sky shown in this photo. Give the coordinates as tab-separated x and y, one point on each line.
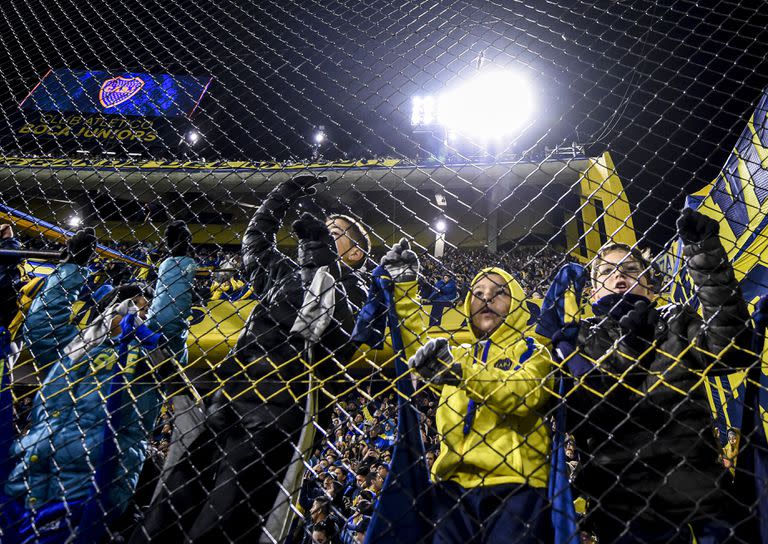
665	86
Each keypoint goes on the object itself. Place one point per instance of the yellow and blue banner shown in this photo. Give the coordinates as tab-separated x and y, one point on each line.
738	199
33	225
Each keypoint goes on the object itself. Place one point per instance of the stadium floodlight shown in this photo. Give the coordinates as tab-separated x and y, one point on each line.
440	227
74	221
318	138
193	137
491	105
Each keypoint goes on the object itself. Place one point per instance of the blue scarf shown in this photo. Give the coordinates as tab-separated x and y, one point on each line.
372	320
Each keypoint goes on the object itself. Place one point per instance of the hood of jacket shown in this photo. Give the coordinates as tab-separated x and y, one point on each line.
516	321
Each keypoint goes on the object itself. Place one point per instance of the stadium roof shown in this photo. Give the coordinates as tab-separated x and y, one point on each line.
239	178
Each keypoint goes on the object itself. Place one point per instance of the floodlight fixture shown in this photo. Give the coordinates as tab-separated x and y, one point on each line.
491	105
193	137
441	225
74	221
318	139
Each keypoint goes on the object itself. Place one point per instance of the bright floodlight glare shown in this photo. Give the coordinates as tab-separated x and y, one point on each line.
423	110
319	137
440	225
74	221
193	136
416	110
491	105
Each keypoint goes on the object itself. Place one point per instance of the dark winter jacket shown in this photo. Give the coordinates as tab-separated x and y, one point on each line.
642	421
9	282
265	344
445	291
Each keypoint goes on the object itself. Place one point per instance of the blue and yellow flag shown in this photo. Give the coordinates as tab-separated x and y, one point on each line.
738	199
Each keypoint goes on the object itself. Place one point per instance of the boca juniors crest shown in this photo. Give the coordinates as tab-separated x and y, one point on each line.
118	90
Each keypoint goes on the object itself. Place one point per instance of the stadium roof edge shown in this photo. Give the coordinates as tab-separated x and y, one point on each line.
241	177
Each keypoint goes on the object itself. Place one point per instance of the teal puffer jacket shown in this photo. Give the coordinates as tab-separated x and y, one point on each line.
56	459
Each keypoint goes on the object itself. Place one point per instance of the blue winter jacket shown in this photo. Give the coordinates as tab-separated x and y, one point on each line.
56	459
445	291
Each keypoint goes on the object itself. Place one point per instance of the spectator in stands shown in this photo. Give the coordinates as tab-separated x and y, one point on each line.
353	246
445	290
430	457
495	443
443	297
10	276
321	513
358	531
357	523
640	417
255	420
324	532
226	285
81	413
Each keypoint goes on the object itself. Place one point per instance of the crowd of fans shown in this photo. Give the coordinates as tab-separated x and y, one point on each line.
350	465
346	472
532	266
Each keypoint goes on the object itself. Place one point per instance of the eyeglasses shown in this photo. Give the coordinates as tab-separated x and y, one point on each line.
632	269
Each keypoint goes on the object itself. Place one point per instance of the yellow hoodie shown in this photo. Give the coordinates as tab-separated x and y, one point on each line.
502	438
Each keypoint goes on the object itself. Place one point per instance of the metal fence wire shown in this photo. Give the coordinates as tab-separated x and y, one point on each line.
366	271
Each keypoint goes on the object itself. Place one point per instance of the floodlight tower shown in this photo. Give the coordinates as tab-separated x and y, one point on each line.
318	139
440	228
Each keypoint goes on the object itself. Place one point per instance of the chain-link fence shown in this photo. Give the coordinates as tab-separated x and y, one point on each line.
339	272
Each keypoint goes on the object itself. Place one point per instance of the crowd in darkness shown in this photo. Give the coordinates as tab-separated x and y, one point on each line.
532	266
350	465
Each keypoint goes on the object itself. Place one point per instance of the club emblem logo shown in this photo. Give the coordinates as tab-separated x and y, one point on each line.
118	90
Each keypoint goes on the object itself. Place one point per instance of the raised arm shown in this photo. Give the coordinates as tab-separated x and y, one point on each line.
725	332
261	258
47	328
174	291
402	264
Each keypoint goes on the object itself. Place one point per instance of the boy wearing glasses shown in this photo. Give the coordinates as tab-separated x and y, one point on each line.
638	410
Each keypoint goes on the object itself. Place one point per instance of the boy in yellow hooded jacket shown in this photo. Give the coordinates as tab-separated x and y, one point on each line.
493	465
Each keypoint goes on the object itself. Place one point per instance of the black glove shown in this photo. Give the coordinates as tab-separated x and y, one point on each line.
310	228
433	362
299	186
694	227
316	247
80	247
401	262
178	239
639	325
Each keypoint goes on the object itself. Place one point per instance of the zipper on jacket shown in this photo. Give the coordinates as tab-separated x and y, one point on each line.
469	417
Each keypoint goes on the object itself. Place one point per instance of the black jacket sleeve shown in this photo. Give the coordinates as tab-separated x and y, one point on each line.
264	264
335	348
9	243
726	317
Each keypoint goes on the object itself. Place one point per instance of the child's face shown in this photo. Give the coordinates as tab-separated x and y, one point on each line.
618	273
490	304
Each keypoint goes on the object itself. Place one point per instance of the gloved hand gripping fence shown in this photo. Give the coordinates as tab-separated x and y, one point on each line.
434	364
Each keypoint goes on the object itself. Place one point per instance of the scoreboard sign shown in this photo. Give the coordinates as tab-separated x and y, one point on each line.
102	108
127	93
